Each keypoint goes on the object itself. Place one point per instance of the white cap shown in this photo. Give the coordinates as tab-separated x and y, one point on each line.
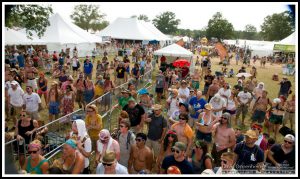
290	138
14	83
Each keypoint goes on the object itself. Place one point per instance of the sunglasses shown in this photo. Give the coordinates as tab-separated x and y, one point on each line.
288	142
224	161
182	118
23	115
30	152
107	164
121	126
139	140
224	118
174	150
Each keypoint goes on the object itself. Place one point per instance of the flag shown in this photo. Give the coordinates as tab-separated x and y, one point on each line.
222	52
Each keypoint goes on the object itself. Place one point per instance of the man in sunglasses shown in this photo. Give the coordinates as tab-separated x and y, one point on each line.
110	165
224	138
282	156
249	156
141	156
227	164
177	159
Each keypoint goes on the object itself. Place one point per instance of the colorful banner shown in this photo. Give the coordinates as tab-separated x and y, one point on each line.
222	52
284	48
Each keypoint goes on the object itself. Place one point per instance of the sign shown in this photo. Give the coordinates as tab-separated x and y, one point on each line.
222	52
285	48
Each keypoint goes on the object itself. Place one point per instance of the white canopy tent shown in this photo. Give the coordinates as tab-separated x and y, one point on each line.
132	29
174	50
62	34
290	40
13	37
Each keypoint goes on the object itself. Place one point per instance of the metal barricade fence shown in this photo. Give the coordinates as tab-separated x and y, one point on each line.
59	128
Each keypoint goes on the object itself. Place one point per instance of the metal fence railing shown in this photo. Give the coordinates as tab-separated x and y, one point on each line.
59	128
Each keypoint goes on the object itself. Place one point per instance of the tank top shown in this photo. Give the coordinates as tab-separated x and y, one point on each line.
202	120
23	130
36	169
42	84
70	169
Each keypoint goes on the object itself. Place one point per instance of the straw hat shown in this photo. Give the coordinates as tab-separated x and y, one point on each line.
109	157
157	107
251	133
208	106
93	106
54	83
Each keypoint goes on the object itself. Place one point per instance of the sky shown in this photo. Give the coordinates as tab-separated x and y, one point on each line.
193	15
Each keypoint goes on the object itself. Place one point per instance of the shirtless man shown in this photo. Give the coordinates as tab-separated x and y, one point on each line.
79	85
141	157
260	108
224	138
196	78
212	90
30	72
53	103
184	132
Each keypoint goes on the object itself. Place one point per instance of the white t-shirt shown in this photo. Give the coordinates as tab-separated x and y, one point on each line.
244	97
32	102
173	105
120	169
218	105
183	91
16	96
87	148
230	105
74	62
226	93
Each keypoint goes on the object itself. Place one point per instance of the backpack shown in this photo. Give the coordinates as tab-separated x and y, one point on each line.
128	137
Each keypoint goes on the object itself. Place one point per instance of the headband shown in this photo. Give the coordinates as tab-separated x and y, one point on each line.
71	143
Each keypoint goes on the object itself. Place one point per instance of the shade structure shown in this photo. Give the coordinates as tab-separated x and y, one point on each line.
287	44
132	29
181	63
174	50
13	37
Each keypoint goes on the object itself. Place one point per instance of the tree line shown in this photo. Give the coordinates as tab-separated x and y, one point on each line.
89	17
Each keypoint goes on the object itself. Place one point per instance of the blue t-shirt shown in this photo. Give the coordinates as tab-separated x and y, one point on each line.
248	158
87	68
185	167
21	60
197	104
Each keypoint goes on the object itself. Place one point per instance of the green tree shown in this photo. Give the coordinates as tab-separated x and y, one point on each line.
277	26
99	25
143	17
250	32
31	17
87	16
219	28
166	22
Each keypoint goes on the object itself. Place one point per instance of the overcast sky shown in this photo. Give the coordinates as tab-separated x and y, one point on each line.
193	15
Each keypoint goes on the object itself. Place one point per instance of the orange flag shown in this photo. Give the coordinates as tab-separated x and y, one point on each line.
222	52
180	42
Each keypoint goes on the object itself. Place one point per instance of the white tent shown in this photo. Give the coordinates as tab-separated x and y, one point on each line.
62	34
174	50
13	37
132	29
290	40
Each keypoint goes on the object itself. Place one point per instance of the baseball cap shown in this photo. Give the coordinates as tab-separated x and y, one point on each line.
185	105
290	138
180	146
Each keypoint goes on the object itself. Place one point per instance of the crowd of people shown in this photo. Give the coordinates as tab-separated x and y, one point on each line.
184	128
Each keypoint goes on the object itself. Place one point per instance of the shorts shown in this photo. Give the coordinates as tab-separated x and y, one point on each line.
202	136
54	108
258	116
79	96
15	111
34	115
231	112
75	68
276	119
40	92
159	90
155	145
32	83
195	84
